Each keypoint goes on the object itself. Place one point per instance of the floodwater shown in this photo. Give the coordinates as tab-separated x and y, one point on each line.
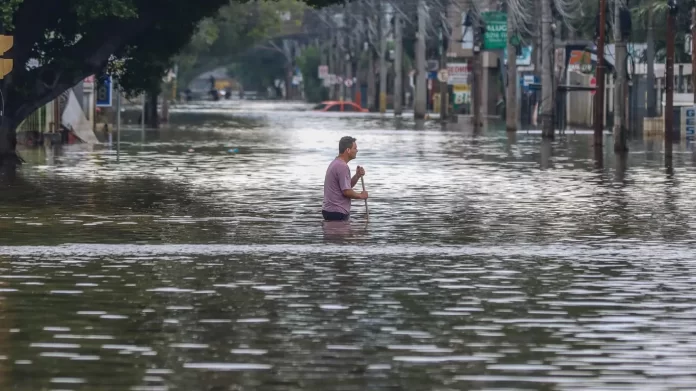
198	260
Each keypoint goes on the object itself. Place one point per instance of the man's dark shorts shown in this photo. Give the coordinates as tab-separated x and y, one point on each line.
334	216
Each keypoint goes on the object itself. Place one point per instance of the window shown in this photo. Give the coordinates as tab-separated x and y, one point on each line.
336	107
349	107
320	106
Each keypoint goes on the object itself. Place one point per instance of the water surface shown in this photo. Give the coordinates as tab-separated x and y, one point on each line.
198	260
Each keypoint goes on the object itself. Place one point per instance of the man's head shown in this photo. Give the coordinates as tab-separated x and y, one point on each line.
347	148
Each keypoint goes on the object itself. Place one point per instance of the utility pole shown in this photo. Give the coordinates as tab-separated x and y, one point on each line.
371	82
349	75
693	51
398	65
477	72
599	75
340	60
382	58
332	66
620	144
443	65
669	79
511	88
420	107
650	59
547	74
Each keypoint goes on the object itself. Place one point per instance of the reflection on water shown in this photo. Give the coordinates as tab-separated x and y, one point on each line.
199	260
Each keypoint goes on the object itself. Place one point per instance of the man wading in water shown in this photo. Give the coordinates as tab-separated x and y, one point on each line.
338	185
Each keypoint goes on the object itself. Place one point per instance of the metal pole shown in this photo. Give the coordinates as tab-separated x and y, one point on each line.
420	104
118	122
669	80
599	75
142	120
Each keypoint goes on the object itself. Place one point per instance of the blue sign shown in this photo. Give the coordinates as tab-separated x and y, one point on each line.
523	59
690	130
691	121
690	113
104	91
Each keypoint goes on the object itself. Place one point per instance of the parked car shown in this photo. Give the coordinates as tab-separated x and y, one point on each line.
338	106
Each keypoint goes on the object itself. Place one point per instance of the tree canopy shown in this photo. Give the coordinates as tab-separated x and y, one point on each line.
58	43
221	39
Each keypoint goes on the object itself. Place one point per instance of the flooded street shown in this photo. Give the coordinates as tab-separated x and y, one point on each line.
198	260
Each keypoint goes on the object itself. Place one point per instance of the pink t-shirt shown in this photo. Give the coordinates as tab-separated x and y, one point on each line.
337	179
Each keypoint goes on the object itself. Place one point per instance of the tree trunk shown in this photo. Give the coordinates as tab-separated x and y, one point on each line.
620	87
9	160
382	60
547	76
371	82
288	82
511	97
151	115
398	65
650	59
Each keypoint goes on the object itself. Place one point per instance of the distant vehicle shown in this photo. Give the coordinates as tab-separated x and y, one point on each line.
338	106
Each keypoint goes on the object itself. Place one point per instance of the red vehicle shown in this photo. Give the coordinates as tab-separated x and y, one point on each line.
338	106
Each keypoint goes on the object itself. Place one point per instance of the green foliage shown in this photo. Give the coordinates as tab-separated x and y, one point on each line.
258	69
219	40
7	9
309	63
135	39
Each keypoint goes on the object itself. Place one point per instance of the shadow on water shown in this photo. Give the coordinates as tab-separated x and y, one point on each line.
199	260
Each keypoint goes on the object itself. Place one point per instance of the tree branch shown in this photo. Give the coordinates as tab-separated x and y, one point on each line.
52	79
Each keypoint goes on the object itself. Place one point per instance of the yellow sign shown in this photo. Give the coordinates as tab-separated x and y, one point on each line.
6	64
461	88
5	67
6	43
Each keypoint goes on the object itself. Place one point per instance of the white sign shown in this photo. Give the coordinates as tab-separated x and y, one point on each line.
442	75
458	73
323	71
348	83
687	43
527	80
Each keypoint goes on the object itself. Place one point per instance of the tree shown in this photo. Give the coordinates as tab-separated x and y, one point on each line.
309	62
135	40
258	69
219	40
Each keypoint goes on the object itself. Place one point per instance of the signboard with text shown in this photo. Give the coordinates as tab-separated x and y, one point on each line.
323	71
495	37
458	73
104	91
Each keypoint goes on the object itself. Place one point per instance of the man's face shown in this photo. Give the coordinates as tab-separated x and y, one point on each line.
353	151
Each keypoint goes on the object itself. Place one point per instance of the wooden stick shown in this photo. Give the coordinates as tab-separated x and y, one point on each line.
367	213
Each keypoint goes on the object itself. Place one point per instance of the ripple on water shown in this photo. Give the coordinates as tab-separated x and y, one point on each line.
490	259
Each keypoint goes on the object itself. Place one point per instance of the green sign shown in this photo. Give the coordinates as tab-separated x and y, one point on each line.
495	37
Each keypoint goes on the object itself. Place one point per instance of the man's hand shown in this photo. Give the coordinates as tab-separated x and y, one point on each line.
363	195
360	172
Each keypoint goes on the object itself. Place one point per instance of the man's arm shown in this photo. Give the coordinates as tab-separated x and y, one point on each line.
354	180
352	194
359	172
